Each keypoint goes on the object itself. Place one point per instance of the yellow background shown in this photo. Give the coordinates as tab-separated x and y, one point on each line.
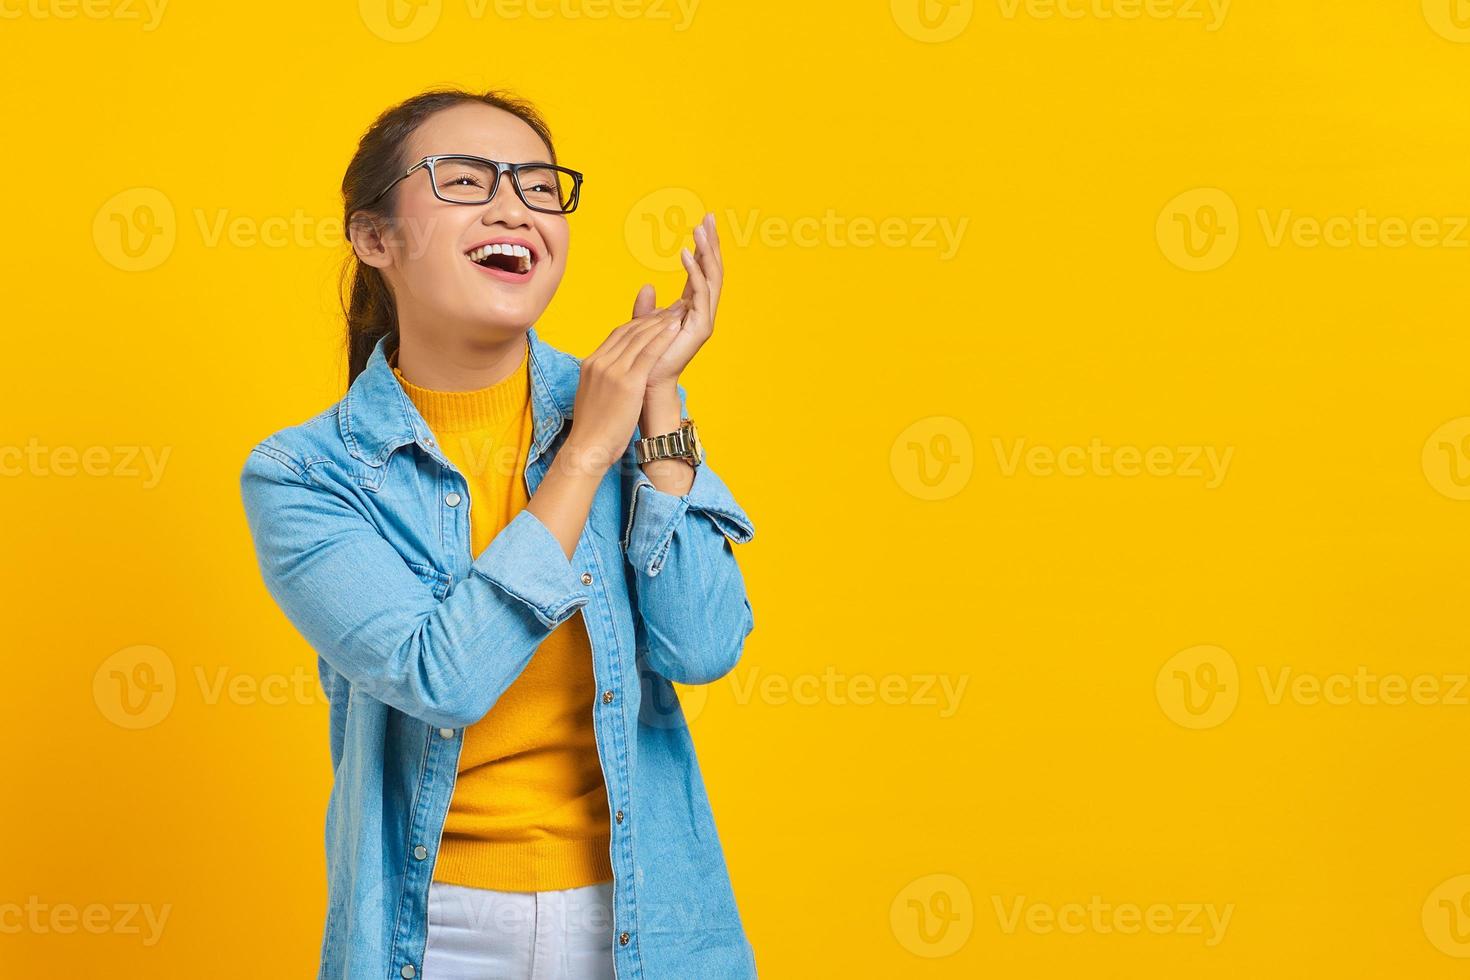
1121	737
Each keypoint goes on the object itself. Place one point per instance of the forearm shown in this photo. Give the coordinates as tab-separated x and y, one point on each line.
442	659
689	591
662	413
564	498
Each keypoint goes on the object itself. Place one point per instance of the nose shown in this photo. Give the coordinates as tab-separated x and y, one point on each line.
505	205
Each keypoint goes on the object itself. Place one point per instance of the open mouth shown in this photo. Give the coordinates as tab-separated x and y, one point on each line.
515	260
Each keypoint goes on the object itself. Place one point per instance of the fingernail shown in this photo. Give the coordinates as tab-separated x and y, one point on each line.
684	254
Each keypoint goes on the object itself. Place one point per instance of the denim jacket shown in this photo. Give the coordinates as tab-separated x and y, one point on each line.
361	529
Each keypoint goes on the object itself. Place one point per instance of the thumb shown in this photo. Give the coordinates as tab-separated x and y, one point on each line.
644	304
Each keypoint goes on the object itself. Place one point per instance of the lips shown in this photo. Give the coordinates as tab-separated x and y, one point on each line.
511	259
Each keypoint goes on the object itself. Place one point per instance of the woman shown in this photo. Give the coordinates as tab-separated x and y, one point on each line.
515	791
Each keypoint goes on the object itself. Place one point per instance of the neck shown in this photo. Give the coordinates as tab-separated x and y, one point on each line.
486	407
454	364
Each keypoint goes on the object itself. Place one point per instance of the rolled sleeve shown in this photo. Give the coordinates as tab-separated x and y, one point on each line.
368	612
527	562
654	516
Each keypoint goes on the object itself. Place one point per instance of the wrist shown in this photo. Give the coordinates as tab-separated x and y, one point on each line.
662	411
582	463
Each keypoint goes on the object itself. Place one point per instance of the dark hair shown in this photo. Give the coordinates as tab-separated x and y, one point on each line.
379	158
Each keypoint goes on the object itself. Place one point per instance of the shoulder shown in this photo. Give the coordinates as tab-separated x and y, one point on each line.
299	446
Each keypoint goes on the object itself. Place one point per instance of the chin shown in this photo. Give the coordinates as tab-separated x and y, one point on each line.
504	323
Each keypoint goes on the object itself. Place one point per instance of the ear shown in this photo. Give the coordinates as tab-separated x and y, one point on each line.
366	235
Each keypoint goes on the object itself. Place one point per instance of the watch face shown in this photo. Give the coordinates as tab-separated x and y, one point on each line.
695	444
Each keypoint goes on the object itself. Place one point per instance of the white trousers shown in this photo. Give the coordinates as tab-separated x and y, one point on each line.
479	933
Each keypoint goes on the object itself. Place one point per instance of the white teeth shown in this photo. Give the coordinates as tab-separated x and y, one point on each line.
521	252
500	249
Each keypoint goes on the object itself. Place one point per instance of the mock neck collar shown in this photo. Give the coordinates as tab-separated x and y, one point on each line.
377	416
464	411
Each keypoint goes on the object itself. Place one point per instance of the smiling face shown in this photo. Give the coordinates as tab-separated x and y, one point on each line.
439	290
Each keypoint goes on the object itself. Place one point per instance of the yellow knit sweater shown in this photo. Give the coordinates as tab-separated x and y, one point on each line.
529	811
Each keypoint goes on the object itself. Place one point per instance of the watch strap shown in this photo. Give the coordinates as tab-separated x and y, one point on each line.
667	445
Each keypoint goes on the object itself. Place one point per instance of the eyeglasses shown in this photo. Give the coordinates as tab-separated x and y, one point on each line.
460	179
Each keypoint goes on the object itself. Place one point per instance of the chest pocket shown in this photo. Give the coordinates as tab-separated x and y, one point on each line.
433	578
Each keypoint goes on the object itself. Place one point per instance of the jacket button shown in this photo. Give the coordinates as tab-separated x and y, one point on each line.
622	939
619	816
586	578
607	697
452	499
420	852
407	972
446	733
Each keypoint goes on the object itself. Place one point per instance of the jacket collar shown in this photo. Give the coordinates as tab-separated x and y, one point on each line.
378	416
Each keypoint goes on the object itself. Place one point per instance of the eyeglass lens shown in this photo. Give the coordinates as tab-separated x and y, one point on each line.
469	181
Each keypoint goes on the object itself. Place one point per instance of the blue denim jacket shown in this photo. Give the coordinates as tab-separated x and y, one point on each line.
361	528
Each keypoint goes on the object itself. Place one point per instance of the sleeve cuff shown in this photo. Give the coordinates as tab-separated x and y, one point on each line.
654	515
526	562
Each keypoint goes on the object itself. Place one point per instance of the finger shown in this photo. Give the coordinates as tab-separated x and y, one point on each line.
646	358
631	329
714	236
709	263
614	336
699	306
645	302
688	294
614	340
645	334
715	266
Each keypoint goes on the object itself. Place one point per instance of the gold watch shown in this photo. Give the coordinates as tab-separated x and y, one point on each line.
683	443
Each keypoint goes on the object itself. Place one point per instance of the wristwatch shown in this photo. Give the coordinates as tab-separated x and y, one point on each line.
682	443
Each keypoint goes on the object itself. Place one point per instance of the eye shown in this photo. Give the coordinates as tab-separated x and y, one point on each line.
463	180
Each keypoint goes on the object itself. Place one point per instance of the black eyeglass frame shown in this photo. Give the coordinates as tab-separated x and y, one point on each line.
514	169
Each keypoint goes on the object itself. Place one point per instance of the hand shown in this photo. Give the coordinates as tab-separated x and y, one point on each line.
610	390
706	271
